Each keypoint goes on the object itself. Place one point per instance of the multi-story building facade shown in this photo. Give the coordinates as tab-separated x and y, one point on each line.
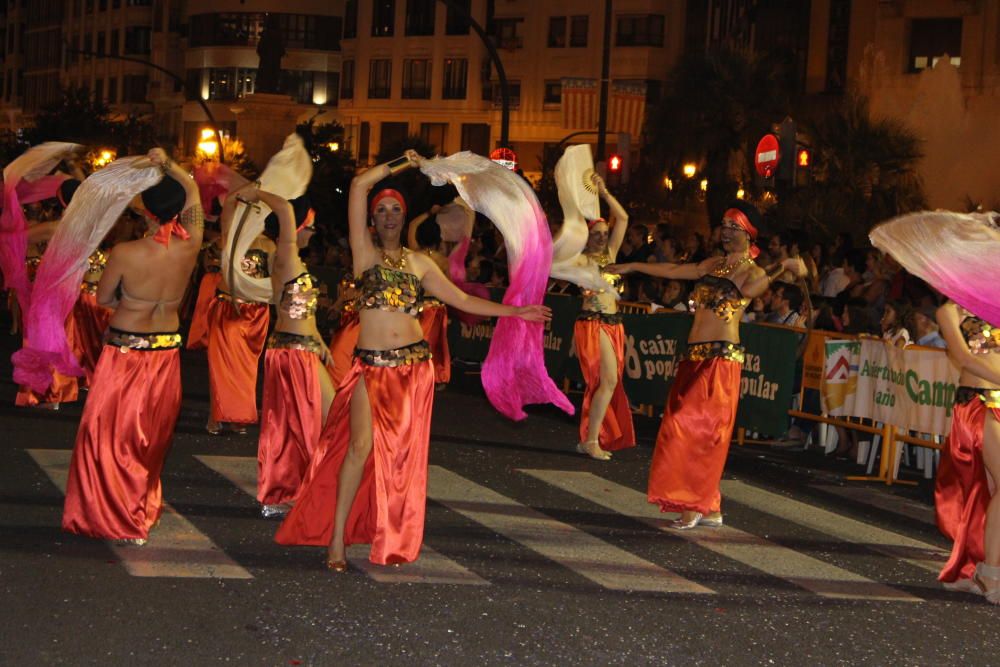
414	67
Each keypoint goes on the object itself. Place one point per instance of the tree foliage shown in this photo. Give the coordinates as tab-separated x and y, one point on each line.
332	172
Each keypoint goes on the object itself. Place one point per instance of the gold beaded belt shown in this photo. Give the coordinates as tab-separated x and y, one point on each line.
282	340
991	397
400	356
597	316
430	302
229	298
716	349
126	340
88	287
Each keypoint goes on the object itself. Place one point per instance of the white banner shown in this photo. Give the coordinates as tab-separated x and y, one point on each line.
913	389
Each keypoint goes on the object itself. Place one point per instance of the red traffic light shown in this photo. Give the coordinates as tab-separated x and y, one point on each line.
803	158
615	163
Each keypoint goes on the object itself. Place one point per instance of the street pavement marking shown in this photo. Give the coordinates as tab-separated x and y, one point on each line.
176	548
883	501
581	552
431	568
809	573
923	555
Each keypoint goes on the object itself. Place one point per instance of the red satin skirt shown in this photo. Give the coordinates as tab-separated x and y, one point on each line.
388	510
234	348
206	302
113	491
694	436
617	431
85	329
291	417
342	347
961	489
434	322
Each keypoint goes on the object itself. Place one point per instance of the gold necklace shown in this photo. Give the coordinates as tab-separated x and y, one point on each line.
397	264
727	269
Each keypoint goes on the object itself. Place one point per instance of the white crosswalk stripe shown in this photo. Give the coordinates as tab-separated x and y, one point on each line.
923	555
430	568
176	548
571	547
756	552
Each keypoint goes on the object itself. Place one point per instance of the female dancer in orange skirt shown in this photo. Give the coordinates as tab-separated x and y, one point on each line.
211	258
298	389
368	482
698	419
113	490
236	335
89	319
599	336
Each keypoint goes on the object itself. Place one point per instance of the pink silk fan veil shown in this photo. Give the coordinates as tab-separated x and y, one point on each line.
94	210
955	253
18	178
514	372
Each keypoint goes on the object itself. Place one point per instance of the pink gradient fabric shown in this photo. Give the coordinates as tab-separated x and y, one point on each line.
514	373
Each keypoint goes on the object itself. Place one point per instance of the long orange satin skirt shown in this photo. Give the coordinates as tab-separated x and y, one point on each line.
694	436
198	332
85	329
114	491
961	490
388	510
617	431
234	349
291	422
434	322
342	347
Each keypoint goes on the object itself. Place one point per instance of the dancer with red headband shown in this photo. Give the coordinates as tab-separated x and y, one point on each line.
698	419
113	490
237	331
298	388
368	484
599	337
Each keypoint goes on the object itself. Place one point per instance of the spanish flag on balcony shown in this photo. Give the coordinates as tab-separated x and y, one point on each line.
579	103
627	107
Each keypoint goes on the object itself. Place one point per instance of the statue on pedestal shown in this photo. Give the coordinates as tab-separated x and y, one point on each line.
270	50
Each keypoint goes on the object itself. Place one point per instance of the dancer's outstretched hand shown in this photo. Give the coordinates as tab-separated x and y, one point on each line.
534	313
416	159
796	266
620	269
157	156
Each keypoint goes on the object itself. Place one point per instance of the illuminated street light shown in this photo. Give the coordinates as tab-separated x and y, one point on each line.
208	146
690	170
103	158
334	146
704	185
741	193
668	183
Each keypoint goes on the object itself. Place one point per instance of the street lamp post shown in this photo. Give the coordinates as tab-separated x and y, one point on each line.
602	117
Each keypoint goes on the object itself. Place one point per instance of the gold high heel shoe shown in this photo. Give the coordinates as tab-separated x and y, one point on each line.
338	566
597	454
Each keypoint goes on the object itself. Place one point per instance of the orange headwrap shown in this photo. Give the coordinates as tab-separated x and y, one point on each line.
383	194
741	219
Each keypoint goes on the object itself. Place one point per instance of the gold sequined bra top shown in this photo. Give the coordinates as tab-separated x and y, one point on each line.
97	261
981	336
720	295
300	297
390	290
254	263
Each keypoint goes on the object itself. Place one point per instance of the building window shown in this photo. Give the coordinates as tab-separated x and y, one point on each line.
644	30
383	18
932	38
113	90
114	42
137	40
379	79
513	91
192	84
476	138
420	17
230	83
454	81
351	19
508	33
416	79
392	134
578	26
300	31
134	88
364	141
347	80
99	90
557	32
101	42
553	92
434	134
456	23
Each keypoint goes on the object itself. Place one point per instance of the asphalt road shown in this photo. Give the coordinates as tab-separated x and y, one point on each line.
533	555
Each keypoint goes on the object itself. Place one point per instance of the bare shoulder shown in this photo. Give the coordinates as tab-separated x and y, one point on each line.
420	262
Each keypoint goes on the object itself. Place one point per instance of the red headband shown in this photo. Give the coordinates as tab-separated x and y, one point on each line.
741	219
310	216
384	193
591	223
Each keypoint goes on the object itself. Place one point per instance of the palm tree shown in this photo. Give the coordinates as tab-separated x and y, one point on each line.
717	104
